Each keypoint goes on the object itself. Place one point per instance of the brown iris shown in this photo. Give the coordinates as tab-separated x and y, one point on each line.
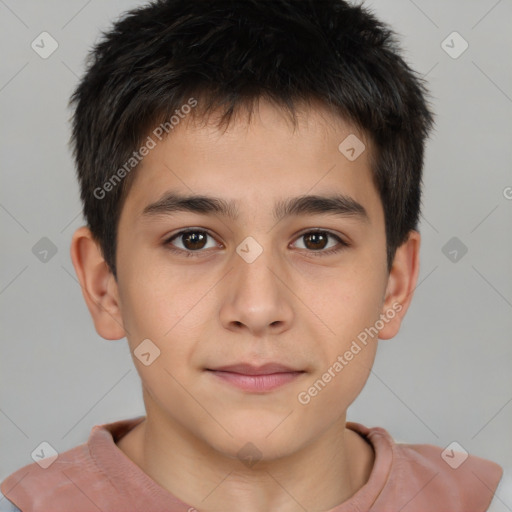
318	240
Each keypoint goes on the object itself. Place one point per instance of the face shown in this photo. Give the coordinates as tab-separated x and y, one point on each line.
255	283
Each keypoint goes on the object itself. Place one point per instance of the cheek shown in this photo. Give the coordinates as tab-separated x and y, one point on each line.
350	309
346	361
147	307
352	303
153	299
165	305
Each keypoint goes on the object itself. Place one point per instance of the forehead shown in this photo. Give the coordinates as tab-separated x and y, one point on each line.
250	161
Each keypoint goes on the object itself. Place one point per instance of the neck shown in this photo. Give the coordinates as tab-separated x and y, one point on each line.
319	476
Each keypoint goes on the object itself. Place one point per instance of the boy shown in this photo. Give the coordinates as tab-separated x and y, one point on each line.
250	172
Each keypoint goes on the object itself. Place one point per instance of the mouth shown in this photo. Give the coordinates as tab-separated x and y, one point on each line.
252	378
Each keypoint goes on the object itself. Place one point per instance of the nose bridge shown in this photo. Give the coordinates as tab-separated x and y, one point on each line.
254	262
257	297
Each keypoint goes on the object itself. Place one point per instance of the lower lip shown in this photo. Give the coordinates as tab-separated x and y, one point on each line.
256	382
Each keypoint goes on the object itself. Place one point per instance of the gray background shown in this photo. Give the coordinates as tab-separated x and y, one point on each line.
447	375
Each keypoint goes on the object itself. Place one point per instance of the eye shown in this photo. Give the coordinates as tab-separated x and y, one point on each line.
192	241
317	240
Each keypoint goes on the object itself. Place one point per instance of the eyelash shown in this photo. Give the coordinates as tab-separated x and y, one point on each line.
188	253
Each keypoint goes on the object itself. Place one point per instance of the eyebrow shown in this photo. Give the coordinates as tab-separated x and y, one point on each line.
334	204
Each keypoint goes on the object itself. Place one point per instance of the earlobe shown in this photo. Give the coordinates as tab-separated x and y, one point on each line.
98	284
402	282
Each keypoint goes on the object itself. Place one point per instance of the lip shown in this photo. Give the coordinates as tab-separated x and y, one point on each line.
249	369
256	378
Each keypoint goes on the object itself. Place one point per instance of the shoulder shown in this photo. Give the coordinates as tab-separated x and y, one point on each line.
55	483
428	478
449	477
502	500
34	484
7	505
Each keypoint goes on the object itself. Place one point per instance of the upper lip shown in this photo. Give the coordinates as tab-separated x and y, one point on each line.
249	369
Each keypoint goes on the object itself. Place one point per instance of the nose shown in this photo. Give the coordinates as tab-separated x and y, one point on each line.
257	297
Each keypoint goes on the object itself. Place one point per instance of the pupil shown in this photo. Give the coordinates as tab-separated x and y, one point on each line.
315	237
194	239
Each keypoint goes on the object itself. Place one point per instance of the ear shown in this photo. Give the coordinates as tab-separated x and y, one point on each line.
401	285
99	286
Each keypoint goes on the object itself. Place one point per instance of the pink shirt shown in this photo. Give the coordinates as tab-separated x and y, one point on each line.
97	475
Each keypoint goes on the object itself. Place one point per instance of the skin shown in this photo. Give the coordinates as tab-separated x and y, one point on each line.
289	305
